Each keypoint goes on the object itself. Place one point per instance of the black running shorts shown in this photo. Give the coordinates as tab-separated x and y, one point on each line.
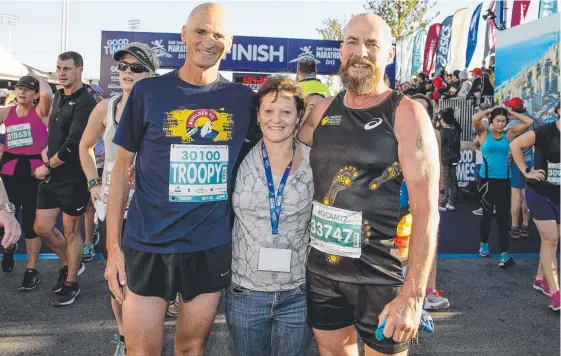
189	273
69	194
335	305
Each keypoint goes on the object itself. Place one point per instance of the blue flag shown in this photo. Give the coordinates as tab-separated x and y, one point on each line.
418	44
472	34
500	13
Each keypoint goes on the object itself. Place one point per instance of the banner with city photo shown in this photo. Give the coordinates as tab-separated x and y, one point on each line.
532	73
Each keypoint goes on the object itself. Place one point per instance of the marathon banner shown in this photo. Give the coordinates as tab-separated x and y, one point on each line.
443	49
466	168
472	34
519	11
252	54
430	48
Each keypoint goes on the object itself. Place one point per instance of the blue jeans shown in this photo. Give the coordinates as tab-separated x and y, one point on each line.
268	323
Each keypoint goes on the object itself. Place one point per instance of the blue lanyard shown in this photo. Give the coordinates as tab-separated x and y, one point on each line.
275	200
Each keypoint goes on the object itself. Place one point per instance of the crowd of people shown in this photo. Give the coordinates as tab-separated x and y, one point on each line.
457	84
196	185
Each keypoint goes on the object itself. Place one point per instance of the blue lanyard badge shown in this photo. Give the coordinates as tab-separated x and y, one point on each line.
275	200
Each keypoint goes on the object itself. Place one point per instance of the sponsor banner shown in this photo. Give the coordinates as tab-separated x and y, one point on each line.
458	40
500	12
443	50
417	60
466	168
254	54
472	34
519	11
430	48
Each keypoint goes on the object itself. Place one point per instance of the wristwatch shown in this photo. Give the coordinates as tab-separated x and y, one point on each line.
9	207
528	170
48	165
93	183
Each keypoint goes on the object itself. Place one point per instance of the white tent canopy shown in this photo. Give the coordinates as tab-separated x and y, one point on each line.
10	67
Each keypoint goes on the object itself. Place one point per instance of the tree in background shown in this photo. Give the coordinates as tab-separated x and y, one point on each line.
404	17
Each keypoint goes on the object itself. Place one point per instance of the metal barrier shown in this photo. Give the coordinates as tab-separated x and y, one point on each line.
464	109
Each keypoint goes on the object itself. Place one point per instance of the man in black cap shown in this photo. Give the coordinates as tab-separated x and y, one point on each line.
64	187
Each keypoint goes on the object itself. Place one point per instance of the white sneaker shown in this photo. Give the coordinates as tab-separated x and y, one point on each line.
434	301
478	212
450	207
442	209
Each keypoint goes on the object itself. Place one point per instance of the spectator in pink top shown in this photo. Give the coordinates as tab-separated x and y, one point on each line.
24	142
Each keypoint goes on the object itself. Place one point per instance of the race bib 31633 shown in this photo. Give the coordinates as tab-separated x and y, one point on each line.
198	173
336	231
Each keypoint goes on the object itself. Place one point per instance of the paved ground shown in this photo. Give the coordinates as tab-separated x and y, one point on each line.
494	312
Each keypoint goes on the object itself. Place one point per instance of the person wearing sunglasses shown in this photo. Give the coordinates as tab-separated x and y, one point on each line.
136	62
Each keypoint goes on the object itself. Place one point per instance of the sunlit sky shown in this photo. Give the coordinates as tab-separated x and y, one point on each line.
36	38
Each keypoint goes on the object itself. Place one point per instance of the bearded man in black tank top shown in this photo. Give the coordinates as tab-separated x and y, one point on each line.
365	142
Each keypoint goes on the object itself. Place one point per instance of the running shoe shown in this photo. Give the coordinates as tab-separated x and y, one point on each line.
67	294
434	301
484	249
554	301
8	259
524	231
95	235
506	260
121	349
514	233
450	207
541	285
173	308
442	209
62	274
30	280
89	253
478	212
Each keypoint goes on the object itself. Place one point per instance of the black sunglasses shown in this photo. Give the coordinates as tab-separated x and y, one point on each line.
135	68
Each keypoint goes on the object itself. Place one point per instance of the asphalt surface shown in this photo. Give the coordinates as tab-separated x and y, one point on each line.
493	312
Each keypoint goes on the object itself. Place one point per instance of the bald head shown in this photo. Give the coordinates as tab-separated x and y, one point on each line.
213	12
368	23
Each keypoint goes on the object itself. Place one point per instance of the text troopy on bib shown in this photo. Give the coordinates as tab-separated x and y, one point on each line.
553	173
19	135
108	169
336	231
198	173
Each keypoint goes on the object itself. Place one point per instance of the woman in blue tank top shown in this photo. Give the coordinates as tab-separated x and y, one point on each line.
494	181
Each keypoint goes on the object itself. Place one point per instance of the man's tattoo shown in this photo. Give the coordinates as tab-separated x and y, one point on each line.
419	141
427	175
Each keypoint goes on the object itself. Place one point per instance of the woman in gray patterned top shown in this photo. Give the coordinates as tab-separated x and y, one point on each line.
266	303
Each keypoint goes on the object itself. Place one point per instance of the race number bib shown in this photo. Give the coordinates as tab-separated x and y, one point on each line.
108	169
336	231
19	135
198	173
553	173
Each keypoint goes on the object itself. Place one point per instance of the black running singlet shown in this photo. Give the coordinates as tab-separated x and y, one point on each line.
356	168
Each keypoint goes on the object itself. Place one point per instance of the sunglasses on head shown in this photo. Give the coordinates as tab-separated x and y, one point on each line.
135	68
